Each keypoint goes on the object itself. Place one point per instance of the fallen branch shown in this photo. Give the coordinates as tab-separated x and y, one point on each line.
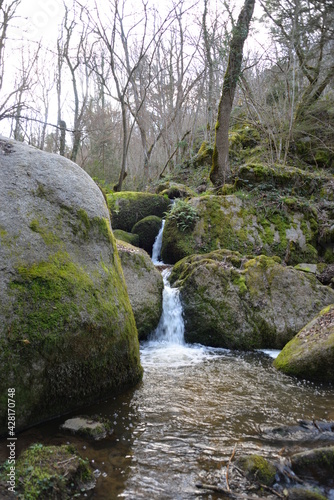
228	466
218	489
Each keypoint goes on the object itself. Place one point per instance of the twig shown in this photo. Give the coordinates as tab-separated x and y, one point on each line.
228	466
272	490
217	489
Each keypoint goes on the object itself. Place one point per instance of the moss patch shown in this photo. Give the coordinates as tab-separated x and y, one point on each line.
129	207
258	469
54	472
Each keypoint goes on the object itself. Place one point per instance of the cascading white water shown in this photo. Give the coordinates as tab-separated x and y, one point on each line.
156	250
171	326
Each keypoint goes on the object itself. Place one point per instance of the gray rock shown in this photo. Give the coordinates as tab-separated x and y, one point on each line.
310	354
238	302
67	332
88	427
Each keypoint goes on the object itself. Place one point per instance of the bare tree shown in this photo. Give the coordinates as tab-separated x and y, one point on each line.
220	171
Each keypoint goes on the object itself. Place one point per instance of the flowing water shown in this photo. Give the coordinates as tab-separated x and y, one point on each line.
183	421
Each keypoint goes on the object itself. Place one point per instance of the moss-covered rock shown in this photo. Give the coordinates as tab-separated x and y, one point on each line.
245	303
131	238
317	463
310	354
239	223
128	207
147	230
175	190
67	331
53	472
257	468
145	286
303	182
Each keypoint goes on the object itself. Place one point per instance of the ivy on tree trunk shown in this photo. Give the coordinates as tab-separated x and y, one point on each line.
220	171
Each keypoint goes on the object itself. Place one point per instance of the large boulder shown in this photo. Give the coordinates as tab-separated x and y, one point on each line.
129	207
310	354
245	303
145	286
67	331
242	224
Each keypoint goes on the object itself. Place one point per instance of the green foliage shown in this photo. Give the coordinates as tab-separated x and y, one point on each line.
184	215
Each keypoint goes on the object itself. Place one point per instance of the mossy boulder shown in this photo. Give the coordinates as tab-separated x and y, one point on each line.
128	207
145	286
147	230
317	463
257	468
303	182
239	223
67	331
175	190
53	472
310	354
131	238
239	302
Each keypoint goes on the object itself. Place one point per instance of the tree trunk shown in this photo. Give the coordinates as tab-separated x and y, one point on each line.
221	172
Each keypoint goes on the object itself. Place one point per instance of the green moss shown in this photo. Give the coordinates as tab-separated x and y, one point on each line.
128	207
42	228
54	472
147	230
258	469
131	238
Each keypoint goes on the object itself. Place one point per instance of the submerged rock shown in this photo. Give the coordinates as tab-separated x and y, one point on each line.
128	207
67	331
238	223
310	354
257	468
92	427
245	303
144	284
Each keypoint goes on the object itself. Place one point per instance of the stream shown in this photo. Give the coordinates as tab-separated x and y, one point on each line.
194	406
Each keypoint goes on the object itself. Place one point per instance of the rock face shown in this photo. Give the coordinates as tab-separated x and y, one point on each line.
67	331
145	286
129	207
243	225
245	303
310	354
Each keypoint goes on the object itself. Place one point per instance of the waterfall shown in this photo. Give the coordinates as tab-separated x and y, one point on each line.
156	250
171	326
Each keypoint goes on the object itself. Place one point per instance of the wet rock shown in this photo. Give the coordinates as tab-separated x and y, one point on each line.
310	354
257	468
316	464
304	432
305	494
95	428
245	303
